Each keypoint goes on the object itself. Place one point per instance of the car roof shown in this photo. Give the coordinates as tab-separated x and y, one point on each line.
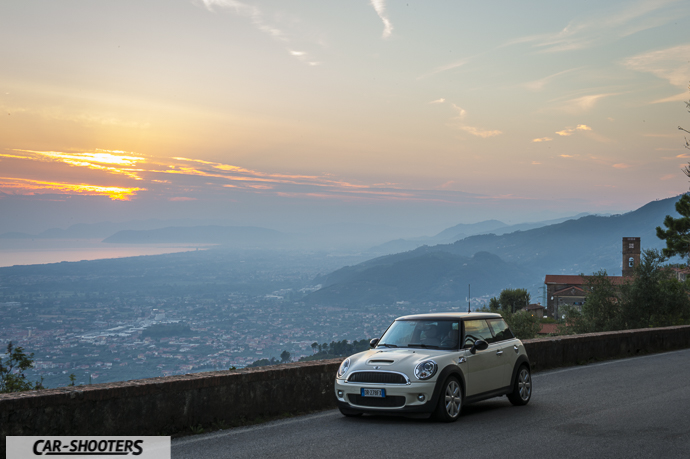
451	316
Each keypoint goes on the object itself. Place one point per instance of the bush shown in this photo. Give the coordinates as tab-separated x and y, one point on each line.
12	378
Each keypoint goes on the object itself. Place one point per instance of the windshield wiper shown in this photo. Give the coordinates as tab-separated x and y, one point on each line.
386	345
425	346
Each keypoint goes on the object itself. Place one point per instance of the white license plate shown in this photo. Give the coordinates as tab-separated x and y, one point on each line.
381	393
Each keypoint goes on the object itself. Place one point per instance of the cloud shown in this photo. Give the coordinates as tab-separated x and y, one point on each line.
569	131
542	139
621	166
539	84
602	27
461	111
380	8
27	186
180	180
669	177
249	11
536	163
584	103
671	64
438	101
475	131
257	19
480	132
443	68
566	156
111	161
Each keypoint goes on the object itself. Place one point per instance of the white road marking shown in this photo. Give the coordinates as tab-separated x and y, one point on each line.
240	430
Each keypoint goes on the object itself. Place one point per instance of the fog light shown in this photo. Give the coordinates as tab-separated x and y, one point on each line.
340	394
421	397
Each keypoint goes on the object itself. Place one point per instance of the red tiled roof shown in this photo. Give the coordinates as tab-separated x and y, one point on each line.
579	280
547	329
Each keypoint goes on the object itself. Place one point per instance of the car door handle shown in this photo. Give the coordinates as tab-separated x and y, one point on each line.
499	352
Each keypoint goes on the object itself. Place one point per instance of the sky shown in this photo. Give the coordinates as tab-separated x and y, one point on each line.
414	114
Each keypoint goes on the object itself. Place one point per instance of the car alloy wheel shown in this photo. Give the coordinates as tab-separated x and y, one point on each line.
524	384
450	402
453	399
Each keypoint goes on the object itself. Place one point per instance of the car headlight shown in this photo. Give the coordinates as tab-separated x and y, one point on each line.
343	368
425	369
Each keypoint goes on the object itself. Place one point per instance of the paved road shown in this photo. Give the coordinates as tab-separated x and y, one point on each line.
632	408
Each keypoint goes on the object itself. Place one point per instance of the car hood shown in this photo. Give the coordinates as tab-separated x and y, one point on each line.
401	359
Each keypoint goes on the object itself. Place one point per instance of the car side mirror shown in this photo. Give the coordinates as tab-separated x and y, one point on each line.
374	342
479	345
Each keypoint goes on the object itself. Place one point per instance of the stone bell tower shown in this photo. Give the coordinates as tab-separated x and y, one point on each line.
631	255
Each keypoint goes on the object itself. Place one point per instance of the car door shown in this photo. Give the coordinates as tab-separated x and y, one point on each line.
506	349
484	367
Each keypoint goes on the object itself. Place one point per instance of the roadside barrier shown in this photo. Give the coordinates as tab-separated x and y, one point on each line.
215	400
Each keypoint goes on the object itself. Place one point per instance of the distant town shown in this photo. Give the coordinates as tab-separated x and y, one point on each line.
105	337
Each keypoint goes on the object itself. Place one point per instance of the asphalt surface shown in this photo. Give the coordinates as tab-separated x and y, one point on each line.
632	408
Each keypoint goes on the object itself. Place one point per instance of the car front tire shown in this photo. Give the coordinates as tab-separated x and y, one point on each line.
522	390
450	401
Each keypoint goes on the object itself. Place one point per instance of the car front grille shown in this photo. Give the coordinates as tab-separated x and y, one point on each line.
377	377
395	401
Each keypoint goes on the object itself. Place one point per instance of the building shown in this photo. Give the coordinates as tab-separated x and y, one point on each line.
536	310
569	290
631	255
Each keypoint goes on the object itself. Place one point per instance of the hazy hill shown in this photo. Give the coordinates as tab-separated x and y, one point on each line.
225	235
461	231
520	258
432	276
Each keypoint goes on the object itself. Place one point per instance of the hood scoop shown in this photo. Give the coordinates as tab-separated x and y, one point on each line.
380	362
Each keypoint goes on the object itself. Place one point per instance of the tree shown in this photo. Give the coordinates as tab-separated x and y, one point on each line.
510	304
601	310
655	298
677	236
687	143
285	357
12	378
314	345
513	299
523	324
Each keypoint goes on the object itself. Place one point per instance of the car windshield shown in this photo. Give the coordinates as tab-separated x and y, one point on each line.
433	334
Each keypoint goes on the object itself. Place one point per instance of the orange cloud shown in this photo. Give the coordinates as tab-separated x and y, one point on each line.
27	186
542	139
100	160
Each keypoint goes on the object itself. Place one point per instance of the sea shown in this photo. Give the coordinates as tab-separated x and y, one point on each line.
40	251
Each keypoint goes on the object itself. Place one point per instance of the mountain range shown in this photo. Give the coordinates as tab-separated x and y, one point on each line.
492	262
461	231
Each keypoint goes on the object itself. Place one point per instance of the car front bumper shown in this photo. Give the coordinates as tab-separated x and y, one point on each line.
416	397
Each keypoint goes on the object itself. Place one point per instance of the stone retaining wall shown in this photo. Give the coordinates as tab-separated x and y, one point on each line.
164	406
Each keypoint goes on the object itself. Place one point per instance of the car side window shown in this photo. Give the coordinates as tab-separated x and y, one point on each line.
500	329
477	329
